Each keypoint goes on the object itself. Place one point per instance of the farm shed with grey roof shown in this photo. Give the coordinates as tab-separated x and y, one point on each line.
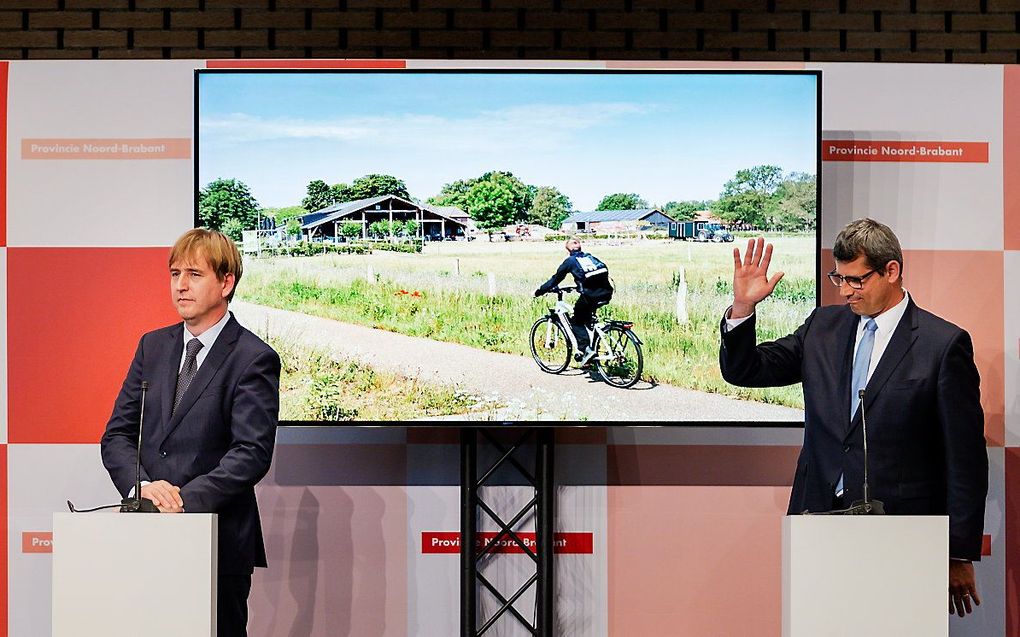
615	220
432	222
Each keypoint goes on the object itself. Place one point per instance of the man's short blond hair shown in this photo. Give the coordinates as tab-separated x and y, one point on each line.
218	250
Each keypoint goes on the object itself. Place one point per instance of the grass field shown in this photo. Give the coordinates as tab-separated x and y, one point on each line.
423	295
317	386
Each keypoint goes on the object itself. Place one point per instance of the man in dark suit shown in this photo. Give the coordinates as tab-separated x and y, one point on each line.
210	415
921	394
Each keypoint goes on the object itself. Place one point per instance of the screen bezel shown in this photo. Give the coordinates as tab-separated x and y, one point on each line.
817	74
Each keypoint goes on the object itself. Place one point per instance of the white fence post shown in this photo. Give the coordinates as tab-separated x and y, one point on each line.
492	284
456	267
681	297
369	274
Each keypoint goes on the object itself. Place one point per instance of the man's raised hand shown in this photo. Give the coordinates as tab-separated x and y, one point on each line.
751	283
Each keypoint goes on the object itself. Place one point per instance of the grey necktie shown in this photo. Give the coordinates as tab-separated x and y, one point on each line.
188	371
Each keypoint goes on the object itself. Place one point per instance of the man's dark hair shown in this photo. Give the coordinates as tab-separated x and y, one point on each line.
876	241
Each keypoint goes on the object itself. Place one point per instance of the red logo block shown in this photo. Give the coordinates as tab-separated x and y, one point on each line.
433	542
901	151
37	542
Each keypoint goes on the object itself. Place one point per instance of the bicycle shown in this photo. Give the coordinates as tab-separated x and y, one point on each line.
618	358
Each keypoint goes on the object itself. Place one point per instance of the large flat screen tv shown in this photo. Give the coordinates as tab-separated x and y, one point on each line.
397	223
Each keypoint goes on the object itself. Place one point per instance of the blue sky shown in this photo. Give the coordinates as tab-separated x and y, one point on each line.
665	136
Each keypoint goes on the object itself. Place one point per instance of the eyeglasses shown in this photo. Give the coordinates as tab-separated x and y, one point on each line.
856	282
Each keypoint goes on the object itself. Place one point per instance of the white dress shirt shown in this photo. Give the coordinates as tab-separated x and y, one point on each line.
886	322
207	338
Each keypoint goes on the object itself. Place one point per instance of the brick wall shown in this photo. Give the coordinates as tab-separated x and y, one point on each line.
818	30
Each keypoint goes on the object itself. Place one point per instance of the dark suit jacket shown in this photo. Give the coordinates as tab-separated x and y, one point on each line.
926	447
219	442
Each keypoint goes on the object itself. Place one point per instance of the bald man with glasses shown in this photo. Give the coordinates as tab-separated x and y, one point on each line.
926	446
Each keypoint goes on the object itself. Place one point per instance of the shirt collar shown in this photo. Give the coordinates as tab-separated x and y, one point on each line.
208	337
888	320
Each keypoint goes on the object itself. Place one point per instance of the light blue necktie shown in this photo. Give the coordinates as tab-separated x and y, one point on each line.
862	360
861	363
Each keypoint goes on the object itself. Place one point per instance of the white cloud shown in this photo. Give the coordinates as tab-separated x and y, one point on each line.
244	128
536	126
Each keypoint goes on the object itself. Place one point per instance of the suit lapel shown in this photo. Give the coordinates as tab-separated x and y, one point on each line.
902	340
213	361
847	335
173	364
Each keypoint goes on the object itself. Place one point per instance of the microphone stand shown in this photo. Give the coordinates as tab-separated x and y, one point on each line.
138	504
868	506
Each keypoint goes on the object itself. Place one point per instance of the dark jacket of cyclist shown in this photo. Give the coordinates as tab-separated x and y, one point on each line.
594	286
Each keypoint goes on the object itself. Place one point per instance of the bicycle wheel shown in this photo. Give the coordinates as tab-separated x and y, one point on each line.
550	346
619	360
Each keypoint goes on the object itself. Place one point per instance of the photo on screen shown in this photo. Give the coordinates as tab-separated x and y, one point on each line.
396	226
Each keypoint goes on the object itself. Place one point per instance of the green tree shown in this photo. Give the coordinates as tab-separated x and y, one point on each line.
233	229
340	193
281	216
750	197
350	229
376	185
318	196
454	194
381	229
622	201
685	210
410	228
293	227
797	203
497	199
224	200
549	207
321	195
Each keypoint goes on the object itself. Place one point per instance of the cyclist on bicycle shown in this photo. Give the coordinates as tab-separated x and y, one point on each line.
594	287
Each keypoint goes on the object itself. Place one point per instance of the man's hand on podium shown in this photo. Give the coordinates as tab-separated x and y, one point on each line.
962	588
166	496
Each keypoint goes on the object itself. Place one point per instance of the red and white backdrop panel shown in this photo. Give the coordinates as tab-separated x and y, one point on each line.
674	530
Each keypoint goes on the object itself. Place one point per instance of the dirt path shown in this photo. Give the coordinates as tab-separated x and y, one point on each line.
506	379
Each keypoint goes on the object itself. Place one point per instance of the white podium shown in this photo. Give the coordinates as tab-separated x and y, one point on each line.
134	574
874	575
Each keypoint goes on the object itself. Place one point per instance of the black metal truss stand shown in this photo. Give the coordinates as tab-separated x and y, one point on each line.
536	441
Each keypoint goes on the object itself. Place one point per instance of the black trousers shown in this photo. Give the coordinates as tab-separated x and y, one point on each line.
584	314
232	605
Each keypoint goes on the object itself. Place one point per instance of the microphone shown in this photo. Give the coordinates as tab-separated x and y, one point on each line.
138	504
867	506
74	509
